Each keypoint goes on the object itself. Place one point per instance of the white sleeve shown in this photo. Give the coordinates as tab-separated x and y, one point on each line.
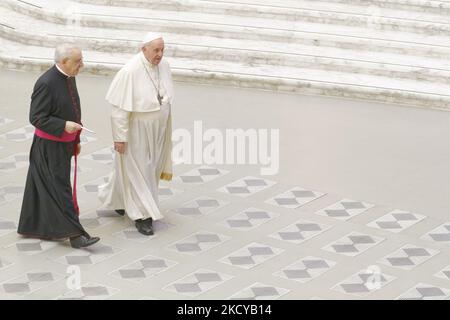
119	124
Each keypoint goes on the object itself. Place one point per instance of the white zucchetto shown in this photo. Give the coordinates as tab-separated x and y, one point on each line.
149	37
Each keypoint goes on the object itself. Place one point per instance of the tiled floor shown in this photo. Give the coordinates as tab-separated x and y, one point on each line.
228	233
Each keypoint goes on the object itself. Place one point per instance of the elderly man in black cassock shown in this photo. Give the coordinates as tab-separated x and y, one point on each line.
49	208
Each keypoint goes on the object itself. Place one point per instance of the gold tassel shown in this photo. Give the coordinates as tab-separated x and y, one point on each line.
166	176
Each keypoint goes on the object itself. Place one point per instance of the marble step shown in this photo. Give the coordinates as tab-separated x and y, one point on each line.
312	34
286	79
421	6
264	51
287	20
391	8
359	40
249	53
399	70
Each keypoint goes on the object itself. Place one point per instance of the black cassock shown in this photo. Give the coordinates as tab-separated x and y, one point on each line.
48	211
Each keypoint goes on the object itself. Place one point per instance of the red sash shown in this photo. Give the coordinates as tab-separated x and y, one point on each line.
66	137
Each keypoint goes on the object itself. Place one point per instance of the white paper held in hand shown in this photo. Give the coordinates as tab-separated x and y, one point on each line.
88	130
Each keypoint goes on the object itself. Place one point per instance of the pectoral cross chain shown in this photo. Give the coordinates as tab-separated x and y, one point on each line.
158	96
159	99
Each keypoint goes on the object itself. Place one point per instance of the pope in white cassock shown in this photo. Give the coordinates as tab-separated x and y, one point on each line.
141	96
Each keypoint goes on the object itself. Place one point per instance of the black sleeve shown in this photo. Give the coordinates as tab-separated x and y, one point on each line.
40	111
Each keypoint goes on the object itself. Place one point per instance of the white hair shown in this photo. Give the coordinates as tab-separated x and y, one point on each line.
63	51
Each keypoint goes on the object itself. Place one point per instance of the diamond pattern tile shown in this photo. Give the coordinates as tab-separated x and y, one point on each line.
201	175
103	156
259	291
166	193
300	231
364	282
440	234
90	255
29	282
15	162
10	193
19	135
131	233
92	186
32	246
7	226
345	209
251	255
200	206
444	273
408	257
353	244
4	263
89	291
248	219
197	283
294	198
396	221
5	121
247	186
423	291
305	269
143	268
99	218
198	242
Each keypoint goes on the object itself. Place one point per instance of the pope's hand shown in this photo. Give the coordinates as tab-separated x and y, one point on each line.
119	147
72	127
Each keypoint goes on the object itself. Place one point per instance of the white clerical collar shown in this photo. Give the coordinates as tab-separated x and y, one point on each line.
60	70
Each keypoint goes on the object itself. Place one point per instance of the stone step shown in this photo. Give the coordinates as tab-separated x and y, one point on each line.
284	20
288	79
421	6
311	47
310	34
249	52
400	69
392	8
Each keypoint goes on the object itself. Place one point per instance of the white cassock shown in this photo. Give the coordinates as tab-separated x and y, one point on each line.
138	119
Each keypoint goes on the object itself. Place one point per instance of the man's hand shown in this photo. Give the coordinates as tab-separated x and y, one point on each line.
78	149
72	127
119	147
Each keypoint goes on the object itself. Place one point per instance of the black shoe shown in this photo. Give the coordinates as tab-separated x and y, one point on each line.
144	227
83	241
149	222
121	212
